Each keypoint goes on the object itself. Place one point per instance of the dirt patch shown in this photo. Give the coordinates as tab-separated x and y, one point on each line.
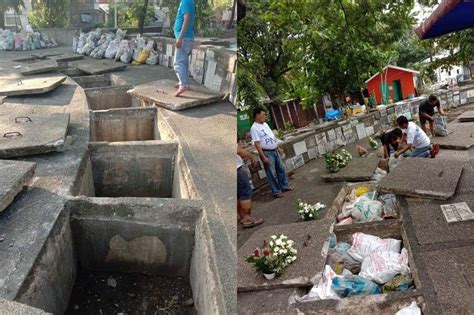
115	293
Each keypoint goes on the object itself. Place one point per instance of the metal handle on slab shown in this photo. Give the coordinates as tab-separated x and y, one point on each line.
12	134
22	119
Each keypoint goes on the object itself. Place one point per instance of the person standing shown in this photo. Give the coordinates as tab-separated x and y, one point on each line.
244	190
266	144
426	112
184	34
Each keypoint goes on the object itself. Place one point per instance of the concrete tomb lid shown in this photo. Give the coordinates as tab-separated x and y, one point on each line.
13	176
32	86
309	238
92	66
460	137
34	134
467	116
423	177
358	169
161	93
39	67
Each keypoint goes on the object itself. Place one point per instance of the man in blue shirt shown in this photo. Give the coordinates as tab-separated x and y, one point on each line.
184	33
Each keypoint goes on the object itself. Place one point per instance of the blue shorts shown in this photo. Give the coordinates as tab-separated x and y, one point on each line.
244	190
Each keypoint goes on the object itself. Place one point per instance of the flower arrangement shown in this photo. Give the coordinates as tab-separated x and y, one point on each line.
336	161
309	212
373	144
274	256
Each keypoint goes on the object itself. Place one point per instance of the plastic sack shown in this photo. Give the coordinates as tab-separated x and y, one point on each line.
119	35
29	29
378	174
153	58
19	39
81	42
398	283
142	57
323	290
337	256
123	45
352	285
390	205
411	309
382	267
440	126
112	49
342	247
366	210
364	245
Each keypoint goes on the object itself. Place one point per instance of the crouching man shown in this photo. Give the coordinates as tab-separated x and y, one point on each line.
415	140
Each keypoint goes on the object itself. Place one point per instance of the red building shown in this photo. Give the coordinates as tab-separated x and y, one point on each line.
392	83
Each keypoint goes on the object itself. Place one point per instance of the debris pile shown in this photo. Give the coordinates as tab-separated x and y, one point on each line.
27	39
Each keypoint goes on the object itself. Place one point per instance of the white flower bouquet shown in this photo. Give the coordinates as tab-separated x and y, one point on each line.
309	212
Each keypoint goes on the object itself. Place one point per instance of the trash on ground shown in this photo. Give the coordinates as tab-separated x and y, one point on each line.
440	126
412	309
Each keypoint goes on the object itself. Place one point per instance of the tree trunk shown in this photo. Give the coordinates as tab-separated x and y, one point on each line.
141	21
241	9
231	21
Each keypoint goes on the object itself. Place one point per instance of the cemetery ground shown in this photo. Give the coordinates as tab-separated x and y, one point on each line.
440	252
106	190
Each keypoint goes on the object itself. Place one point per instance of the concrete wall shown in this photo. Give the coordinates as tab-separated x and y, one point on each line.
109	97
313	142
133	169
124	124
153	236
49	283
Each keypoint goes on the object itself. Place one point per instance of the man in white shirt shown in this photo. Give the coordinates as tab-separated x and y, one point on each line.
266	144
416	140
244	190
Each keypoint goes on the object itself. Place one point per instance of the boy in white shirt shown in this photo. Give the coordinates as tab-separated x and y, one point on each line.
416	140
266	144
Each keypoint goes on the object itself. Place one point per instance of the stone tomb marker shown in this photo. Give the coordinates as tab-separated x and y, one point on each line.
309	262
34	134
13	176
161	93
425	178
31	86
359	169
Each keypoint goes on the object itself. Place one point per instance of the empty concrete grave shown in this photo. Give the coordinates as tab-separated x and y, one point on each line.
130	169
98	81
124	124
102	98
126	255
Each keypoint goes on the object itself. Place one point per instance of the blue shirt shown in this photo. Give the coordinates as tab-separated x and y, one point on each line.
185	7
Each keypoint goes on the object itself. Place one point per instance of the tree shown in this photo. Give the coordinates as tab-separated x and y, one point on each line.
142	13
308	49
49	14
6	5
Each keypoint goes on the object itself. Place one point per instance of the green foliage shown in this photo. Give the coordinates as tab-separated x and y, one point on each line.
128	14
249	90
49	14
307	49
289	127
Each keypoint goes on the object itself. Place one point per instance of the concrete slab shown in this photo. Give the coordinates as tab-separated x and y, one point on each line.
93	66
41	55
15	308
162	92
31	86
425	178
66	57
309	238
429	223
451	273
34	134
461	137
359	169
13	176
39	67
467	116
